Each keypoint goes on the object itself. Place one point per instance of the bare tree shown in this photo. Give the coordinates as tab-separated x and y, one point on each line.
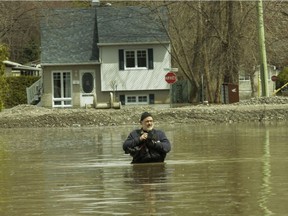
18	26
210	40
20	29
276	21
214	40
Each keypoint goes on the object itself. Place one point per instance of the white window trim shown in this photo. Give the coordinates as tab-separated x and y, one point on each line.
137	100
136	59
61	99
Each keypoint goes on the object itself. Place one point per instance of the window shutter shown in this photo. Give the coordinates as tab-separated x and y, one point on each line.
150	59
121	59
151	99
122	99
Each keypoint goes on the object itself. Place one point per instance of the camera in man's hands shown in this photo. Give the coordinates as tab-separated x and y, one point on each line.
150	135
150	140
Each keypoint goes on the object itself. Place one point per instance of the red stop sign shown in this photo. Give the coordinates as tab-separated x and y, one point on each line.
170	77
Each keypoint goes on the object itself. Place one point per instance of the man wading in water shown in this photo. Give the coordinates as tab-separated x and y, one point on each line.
147	145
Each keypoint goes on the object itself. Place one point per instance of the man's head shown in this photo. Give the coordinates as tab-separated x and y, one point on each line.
146	121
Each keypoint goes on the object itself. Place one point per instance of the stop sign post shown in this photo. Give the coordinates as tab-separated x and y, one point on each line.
170	78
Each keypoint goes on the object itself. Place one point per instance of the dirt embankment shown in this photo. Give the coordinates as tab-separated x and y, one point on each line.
256	109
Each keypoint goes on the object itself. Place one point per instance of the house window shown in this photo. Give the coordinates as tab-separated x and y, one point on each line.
130	59
87	82
137	99
142	99
135	59
244	76
131	99
141	58
62	90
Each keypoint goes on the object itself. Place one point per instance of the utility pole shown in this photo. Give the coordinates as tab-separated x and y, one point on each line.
262	49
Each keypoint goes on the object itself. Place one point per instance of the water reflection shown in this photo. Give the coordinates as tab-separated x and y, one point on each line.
266	185
223	170
149	181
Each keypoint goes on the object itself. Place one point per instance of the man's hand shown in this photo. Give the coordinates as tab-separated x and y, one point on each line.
143	136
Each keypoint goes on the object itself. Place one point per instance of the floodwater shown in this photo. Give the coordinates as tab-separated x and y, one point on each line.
212	170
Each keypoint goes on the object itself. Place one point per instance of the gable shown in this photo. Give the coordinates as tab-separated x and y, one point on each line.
68	36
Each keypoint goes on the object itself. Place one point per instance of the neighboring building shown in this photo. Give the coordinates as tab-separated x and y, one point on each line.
88	53
245	88
16	69
34	91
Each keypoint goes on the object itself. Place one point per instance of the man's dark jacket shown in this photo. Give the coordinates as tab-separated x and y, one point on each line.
153	149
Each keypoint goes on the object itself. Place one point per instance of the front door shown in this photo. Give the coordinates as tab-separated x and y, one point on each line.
87	88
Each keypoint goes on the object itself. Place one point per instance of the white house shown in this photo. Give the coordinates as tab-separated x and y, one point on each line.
88	53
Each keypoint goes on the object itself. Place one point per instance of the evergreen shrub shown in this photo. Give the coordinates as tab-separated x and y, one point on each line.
15	92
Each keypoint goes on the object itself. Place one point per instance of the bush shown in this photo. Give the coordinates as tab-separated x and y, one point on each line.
283	76
4	54
15	92
282	79
3	89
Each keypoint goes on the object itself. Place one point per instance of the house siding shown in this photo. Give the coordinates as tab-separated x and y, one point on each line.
102	97
160	96
245	90
134	79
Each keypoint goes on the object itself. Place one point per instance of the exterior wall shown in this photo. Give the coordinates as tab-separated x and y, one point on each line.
127	82
8	71
245	89
245	85
134	79
160	96
46	98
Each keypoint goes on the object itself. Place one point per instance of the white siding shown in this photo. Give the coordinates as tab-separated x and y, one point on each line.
140	79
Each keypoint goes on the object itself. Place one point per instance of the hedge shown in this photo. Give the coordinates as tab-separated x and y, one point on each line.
14	90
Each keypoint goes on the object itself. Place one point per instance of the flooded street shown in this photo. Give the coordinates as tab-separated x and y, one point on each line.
211	170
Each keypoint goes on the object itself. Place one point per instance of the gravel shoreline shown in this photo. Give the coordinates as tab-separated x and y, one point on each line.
265	109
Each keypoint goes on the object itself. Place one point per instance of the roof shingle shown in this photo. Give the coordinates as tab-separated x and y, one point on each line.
71	35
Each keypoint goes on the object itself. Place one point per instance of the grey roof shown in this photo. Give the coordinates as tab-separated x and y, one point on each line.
71	35
129	25
68	36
